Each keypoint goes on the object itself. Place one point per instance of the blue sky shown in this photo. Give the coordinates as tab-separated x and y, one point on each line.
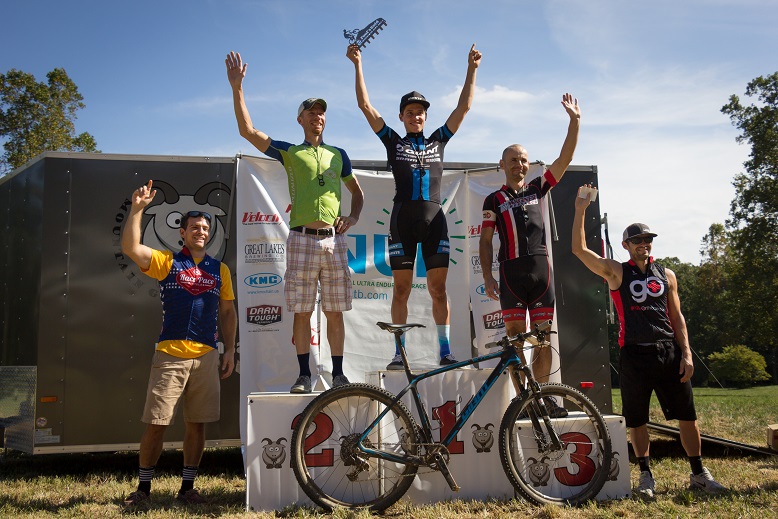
651	78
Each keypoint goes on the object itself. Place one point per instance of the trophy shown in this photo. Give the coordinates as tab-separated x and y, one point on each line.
363	37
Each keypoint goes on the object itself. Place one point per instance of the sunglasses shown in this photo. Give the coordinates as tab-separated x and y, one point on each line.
195	214
641	239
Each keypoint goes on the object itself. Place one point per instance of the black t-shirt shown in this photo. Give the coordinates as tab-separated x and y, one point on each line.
641	304
416	162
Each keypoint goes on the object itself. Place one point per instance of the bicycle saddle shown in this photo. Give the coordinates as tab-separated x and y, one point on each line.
398	328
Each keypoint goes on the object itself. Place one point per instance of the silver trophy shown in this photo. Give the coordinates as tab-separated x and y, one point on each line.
363	37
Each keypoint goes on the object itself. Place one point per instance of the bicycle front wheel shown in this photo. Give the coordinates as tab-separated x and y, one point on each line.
567	472
326	459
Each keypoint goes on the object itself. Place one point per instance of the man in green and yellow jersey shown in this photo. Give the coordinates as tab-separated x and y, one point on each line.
317	254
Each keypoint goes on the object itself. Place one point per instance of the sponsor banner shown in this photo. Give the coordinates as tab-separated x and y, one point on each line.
268	360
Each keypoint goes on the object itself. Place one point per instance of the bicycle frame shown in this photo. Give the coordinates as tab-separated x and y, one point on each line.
509	358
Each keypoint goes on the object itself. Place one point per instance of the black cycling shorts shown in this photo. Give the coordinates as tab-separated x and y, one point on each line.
654	367
414	222
527	283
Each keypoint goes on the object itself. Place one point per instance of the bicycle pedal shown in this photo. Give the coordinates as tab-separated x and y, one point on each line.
366	35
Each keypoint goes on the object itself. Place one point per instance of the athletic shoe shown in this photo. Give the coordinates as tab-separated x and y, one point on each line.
554	410
301	385
704	481
339	380
190	497
396	364
447	360
136	498
646	486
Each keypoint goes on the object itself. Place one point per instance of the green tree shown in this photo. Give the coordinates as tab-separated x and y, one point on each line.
37	117
753	223
739	366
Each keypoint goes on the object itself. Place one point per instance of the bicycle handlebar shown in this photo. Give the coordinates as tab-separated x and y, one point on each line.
508	341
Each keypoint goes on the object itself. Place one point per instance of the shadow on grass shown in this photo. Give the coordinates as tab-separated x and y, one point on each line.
672	448
15	465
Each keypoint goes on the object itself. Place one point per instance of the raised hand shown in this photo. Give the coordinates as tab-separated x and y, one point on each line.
143	196
571	106
236	69
353	53
582	202
474	57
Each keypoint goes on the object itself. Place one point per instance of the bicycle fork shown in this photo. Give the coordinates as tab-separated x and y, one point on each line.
523	389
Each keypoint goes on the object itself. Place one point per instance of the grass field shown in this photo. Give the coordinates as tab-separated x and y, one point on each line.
93	485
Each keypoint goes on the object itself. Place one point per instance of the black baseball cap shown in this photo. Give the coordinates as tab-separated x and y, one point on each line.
413	97
636	229
308	104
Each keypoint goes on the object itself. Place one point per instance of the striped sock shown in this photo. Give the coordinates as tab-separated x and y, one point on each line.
443	334
145	475
187	479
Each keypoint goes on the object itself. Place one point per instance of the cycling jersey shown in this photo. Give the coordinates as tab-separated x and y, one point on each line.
178	274
518	217
641	304
416	162
314	174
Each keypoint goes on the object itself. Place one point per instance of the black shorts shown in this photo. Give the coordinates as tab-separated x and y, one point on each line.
526	283
414	222
647	368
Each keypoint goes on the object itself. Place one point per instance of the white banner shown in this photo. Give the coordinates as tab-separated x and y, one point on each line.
267	356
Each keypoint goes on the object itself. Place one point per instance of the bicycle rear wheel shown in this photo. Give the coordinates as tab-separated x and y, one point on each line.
546	474
326	460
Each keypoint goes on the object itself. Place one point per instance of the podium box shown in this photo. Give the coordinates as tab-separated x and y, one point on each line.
474	461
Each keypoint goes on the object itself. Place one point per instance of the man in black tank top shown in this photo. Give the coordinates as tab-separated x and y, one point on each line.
655	355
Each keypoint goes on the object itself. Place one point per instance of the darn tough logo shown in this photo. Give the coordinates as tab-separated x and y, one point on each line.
195	281
263	314
493	321
252	218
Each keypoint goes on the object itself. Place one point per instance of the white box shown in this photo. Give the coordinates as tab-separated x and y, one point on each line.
474	463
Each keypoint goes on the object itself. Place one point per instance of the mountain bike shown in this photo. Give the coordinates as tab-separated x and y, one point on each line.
358	446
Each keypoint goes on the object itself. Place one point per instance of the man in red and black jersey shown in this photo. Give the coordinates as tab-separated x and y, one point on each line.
516	212
417	217
655	355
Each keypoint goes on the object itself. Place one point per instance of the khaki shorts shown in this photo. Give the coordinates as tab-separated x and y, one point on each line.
193	381
312	261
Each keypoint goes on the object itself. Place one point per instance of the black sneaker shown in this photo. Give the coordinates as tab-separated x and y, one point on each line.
396	364
339	380
301	385
447	360
554	411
